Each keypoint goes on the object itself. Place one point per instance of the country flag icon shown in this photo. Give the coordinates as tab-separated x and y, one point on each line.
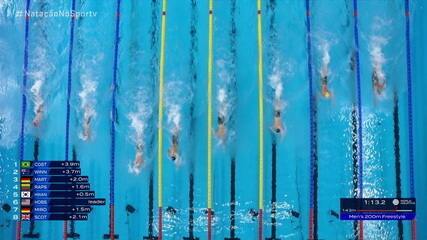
25	180
25	210
25	194
25	164
25	217
25	187
25	171
25	202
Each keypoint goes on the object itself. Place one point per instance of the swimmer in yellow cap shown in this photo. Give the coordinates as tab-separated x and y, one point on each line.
324	87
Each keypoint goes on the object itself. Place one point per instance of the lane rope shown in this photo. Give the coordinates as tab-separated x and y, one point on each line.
410	109
69	84
24	102
209	129
160	121
359	111
261	121
113	122
313	129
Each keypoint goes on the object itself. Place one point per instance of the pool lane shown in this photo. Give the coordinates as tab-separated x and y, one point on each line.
333	35
93	64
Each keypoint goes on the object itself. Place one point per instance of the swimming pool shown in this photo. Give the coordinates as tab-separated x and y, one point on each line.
122	62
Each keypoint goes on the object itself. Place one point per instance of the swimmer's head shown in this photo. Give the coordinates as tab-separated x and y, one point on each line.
277	130
277	114
173	157
220	119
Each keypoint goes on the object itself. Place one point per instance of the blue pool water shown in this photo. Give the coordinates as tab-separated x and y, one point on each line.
381	32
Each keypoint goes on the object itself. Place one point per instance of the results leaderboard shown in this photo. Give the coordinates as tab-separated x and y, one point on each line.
55	190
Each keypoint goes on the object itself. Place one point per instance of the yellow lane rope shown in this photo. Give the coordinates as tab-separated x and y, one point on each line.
210	61
160	113
261	110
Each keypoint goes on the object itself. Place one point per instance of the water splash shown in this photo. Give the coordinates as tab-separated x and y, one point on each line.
223	102
326	59
377	56
275	81
43	67
138	125
87	98
176	96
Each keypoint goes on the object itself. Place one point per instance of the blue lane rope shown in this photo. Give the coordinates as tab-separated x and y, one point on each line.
24	100
359	103
24	83
70	64
113	108
410	114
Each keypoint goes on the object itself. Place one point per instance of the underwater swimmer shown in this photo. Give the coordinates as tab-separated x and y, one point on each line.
222	130
277	122
324	87
378	85
173	150
139	161
39	115
86	127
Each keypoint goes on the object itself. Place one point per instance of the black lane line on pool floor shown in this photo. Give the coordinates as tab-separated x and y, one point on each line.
31	233
193	81
153	77
233	90
273	190
397	158
273	42
150	209
354	155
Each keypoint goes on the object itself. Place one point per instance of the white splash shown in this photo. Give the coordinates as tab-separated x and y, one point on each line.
377	56
87	97
36	91
326	59
275	81
138	124
174	117
223	103
177	94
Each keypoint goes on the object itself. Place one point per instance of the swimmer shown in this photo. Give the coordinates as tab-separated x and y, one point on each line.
86	127
377	84
277	122
173	150
222	130
139	161
39	115
325	90
278	125
254	214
